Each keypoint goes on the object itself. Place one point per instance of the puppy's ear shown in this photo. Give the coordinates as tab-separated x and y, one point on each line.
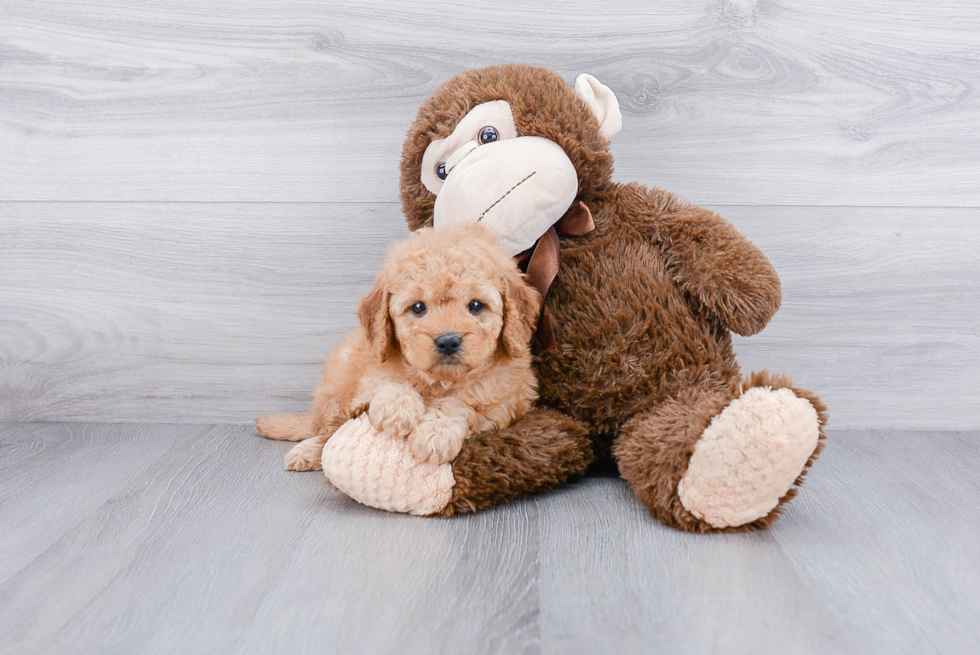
522	305
374	316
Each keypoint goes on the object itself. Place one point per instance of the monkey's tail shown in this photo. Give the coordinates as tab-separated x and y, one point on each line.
286	427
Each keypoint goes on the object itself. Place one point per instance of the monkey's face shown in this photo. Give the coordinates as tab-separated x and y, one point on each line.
516	184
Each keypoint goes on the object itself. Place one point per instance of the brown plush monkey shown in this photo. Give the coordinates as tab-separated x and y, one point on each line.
638	362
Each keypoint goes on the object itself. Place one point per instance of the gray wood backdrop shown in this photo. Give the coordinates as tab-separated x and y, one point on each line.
194	195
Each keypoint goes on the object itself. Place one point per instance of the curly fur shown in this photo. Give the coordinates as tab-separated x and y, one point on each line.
541	451
391	369
642	310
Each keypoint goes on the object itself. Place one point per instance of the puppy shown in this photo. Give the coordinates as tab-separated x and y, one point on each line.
442	352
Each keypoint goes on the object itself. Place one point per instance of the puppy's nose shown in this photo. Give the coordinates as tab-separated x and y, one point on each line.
448	344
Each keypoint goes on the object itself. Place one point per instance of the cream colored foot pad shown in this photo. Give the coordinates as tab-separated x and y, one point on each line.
749	456
380	471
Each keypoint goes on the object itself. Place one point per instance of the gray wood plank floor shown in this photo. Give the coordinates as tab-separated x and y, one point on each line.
182	538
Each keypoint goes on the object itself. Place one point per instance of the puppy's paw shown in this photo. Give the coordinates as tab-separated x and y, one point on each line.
437	439
396	411
303	457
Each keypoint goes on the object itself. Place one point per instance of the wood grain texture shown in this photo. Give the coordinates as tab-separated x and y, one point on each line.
874	556
879	314
220	312
845	102
65	468
216	549
616	581
899	494
208	546
176	312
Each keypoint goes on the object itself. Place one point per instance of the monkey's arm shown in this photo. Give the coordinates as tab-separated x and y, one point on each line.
709	258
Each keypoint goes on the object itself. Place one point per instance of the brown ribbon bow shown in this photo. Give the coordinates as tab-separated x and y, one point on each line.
540	262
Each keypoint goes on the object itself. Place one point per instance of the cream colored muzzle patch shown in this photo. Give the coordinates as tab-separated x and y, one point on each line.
517	188
380	471
749	456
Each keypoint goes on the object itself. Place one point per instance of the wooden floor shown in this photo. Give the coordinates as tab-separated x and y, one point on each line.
191	539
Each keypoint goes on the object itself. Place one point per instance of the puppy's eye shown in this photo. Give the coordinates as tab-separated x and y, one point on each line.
475	307
489	134
419	308
441	171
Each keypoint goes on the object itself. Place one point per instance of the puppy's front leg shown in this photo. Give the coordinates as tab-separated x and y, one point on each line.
440	434
395	408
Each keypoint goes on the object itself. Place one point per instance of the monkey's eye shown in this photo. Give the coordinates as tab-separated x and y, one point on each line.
488	134
419	308
441	171
475	307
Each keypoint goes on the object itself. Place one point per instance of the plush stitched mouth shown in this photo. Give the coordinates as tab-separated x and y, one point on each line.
497	202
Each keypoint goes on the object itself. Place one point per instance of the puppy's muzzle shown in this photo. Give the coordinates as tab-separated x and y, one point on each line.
448	344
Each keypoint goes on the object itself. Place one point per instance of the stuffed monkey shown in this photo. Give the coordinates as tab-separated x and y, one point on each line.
643	291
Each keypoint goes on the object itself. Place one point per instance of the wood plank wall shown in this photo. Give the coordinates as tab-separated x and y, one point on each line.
194	195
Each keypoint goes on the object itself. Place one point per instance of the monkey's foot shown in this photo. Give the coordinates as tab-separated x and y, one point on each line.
380	470
749	456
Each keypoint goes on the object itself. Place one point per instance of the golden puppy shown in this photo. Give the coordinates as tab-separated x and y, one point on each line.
442	352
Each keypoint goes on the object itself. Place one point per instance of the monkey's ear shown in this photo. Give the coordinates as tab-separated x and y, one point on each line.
374	316
603	103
